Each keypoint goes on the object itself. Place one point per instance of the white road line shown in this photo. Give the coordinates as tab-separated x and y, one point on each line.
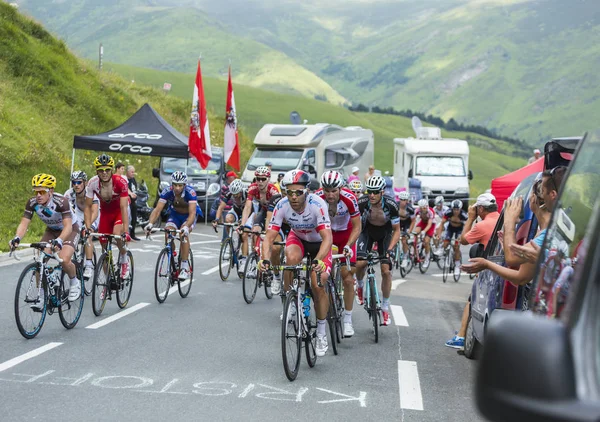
436	275
206	235
399	317
115	317
213	269
410	386
25	356
174	288
206	241
396	283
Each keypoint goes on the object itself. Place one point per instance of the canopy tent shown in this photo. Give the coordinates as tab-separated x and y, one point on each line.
144	133
503	186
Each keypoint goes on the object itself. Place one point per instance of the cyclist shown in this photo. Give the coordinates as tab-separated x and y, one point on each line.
440	209
356	187
76	197
407	218
113	194
381	225
456	218
53	209
310	233
276	249
183	209
345	227
425	218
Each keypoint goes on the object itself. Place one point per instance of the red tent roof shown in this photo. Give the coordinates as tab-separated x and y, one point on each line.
503	186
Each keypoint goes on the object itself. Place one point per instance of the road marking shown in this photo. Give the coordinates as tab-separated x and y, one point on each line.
205	241
396	283
214	269
436	275
206	235
410	387
174	288
26	356
115	317
399	317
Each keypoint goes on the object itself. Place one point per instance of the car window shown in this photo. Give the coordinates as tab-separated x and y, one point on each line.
562	252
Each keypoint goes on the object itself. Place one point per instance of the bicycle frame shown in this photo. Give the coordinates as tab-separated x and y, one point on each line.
298	285
371	261
41	259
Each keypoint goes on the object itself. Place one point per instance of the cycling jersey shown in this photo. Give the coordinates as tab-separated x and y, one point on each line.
226	196
254	194
462	216
109	199
180	203
388	213
425	216
52	213
406	219
306	224
233	203
347	208
78	216
441	212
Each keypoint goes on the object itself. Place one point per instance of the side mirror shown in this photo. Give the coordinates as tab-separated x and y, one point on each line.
310	169
476	250
470	174
527	372
410	173
156	173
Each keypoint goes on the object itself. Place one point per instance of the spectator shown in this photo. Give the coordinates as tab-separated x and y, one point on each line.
269	164
370	173
354	175
278	183
536	156
487	209
133	185
120	168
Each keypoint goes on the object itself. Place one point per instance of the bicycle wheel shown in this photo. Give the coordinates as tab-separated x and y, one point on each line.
457	277
100	286
184	286
291	339
69	312
446	267
310	341
226	258
332	316
29	289
267	283
422	267
162	275
250	278
124	291
374	311
339	299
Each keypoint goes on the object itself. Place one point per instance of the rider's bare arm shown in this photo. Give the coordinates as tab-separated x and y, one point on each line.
87	212
246	212
191	214
356	229
156	212
267	243
22	229
124	216
325	248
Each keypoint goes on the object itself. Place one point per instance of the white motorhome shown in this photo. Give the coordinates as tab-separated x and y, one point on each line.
442	165
313	148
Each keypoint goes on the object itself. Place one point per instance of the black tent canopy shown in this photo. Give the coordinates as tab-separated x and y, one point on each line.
144	133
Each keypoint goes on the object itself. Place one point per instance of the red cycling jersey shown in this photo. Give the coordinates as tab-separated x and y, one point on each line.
254	194
110	201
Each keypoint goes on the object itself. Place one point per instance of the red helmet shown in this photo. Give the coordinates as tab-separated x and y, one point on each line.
262	171
296	177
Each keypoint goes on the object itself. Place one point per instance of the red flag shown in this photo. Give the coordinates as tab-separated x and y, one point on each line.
231	142
199	141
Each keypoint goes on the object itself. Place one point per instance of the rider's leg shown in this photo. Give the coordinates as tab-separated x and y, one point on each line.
293	256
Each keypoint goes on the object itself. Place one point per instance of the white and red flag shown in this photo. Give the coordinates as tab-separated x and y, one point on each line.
231	142
199	140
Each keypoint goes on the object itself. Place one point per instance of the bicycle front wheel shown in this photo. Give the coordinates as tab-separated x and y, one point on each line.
457	276
291	339
310	341
226	258
124	291
250	278
373	308
332	317
100	286
184	286
267	282
69	312
29	318
162	275
447	264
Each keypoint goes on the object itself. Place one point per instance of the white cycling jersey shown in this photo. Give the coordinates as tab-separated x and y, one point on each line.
78	216
347	208
307	224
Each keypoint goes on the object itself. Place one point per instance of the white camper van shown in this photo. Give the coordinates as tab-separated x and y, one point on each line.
313	148
442	165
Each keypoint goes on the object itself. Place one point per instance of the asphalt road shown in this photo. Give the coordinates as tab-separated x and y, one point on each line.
213	357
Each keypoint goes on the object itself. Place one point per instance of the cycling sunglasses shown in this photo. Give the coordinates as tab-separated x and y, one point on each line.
297	192
40	191
77	182
261	179
104	170
373	192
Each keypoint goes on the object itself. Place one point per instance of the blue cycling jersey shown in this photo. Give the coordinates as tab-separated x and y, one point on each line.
180	203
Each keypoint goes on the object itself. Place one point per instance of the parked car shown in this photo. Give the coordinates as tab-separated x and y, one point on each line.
490	291
543	365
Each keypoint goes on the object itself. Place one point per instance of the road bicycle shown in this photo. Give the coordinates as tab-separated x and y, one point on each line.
399	256
168	266
79	258
449	263
371	301
229	255
252	278
416	252
43	289
107	277
335	290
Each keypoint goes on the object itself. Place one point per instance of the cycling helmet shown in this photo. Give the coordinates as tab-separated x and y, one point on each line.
423	203
356	186
104	161
79	175
457	203
375	183
179	177
439	200
262	171
43	180
404	195
296	177
236	187
332	180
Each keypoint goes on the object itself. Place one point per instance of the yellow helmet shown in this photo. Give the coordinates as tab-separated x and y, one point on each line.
43	180
104	161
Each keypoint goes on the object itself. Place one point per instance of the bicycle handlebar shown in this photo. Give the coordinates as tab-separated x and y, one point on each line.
342	256
39	246
172	231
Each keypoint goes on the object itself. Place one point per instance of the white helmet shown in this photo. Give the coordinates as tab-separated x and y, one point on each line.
355	185
439	200
332	180
423	203
179	177
236	187
375	183
404	195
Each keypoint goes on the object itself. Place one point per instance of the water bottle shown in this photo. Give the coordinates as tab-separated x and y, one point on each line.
306	304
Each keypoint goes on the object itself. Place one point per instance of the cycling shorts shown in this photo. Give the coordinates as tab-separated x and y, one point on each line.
422	224
405	224
382	235
108	221
49	235
176	220
308	248
452	231
236	213
340	239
